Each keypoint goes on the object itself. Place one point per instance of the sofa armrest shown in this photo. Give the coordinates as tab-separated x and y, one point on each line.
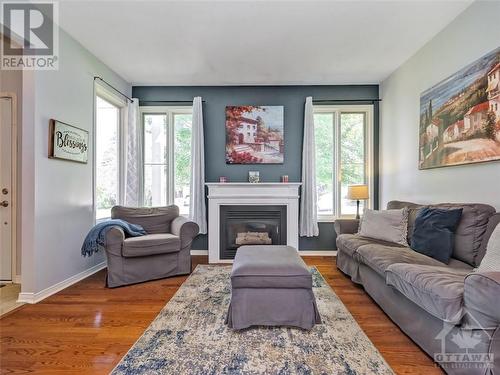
482	299
346	226
114	240
185	229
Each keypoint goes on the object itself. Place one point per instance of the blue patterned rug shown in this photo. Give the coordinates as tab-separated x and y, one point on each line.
189	337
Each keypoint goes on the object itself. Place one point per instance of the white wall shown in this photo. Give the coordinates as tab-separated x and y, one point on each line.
58	194
472	34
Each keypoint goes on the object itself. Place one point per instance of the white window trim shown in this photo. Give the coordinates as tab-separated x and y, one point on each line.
170	112
369	149
102	91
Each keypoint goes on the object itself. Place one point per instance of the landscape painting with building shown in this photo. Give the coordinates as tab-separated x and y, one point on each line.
254	135
460	116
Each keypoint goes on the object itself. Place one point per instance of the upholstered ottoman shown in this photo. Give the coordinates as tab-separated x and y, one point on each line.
271	286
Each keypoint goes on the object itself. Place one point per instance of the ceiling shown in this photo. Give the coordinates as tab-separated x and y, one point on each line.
255	42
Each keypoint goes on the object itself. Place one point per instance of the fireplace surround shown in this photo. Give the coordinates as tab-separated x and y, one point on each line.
253	198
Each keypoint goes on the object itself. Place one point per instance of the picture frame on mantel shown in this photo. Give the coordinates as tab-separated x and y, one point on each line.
67	142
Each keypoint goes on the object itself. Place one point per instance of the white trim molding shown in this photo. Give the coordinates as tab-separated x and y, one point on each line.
199	252
336	111
28	297
309	253
318	253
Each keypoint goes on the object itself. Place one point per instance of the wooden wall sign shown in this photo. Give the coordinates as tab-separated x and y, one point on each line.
68	142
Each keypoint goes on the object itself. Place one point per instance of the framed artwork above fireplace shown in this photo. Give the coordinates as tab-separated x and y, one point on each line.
254	134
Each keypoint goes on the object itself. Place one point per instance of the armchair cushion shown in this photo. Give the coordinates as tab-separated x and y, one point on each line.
152	219
151	244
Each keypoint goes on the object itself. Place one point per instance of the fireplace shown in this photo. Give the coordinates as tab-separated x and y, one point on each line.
252	198
251	225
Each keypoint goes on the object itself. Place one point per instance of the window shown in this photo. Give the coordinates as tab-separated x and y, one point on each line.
107	141
167	156
343	157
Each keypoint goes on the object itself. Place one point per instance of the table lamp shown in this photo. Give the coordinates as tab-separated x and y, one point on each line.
357	193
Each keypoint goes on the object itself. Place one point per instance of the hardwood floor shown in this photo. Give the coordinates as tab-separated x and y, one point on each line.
86	328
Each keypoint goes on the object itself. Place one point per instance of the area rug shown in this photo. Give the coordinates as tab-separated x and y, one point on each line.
189	337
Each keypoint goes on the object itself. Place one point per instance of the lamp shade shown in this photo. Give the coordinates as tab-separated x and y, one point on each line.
357	192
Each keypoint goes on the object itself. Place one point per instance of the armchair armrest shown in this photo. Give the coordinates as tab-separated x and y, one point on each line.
481	299
114	239
185	229
346	226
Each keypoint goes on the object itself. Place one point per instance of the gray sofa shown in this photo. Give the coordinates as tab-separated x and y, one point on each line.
450	311
163	252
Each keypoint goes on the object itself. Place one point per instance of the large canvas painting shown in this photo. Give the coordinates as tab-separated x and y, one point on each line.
254	134
460	116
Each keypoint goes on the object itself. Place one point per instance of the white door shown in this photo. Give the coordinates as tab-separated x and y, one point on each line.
5	189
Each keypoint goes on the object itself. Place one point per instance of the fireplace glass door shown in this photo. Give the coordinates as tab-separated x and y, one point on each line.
251	225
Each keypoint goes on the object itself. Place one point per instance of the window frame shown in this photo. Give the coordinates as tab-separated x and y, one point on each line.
337	110
103	92
170	112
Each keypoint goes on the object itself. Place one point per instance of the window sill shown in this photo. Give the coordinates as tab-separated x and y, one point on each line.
332	219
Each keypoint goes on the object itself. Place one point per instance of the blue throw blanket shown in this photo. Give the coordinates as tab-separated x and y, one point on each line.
96	238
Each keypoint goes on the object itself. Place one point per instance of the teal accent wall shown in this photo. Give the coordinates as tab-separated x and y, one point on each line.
292	98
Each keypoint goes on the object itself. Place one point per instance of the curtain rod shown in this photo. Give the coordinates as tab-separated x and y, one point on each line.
345	100
168	101
114	88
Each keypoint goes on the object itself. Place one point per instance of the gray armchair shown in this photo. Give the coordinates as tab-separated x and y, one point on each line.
163	252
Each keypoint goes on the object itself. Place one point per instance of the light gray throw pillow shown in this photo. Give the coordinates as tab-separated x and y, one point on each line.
387	225
491	260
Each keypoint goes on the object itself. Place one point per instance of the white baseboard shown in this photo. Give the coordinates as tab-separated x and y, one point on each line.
326	253
17	279
199	252
37	297
318	253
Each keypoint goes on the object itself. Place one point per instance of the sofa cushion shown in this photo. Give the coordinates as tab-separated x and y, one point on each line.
151	244
491	260
437	290
269	267
152	219
386	225
350	243
413	210
379	257
470	231
492	224
434	232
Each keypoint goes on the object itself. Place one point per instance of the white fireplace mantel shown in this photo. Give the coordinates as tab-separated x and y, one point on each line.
244	193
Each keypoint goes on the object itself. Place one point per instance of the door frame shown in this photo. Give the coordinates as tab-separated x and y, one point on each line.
16	278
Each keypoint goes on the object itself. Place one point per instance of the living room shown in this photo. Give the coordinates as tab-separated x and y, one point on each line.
250	187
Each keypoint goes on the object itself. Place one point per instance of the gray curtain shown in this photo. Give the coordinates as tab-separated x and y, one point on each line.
197	209
133	155
308	223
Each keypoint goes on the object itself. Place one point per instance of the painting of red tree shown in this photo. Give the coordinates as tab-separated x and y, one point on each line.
254	135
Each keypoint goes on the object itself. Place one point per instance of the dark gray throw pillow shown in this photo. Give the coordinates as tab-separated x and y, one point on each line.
434	232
